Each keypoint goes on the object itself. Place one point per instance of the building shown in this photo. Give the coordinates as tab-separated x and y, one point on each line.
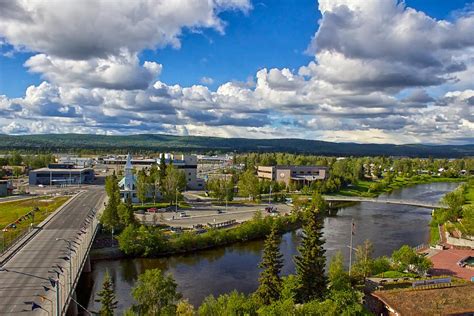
187	164
59	174
293	174
128	184
6	187
76	161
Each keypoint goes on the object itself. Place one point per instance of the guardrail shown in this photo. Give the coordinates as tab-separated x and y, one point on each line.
77	252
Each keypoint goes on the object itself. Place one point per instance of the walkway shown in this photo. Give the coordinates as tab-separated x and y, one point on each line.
341	198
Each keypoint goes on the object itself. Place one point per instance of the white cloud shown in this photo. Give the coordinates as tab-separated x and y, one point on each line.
381	73
206	80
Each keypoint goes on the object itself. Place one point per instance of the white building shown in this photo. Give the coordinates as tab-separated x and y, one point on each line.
128	184
188	165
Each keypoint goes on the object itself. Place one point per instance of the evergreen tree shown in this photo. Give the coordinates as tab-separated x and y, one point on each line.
107	297
311	261
162	172
272	262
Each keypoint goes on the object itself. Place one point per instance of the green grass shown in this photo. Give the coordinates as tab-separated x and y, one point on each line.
11	211
395	274
434	235
145	206
469	196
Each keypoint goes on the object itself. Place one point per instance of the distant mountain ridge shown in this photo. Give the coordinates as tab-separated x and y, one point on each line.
162	142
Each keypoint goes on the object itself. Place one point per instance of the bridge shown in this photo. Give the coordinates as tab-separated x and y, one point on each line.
39	277
341	198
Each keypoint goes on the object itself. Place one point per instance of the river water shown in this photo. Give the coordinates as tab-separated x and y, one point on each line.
221	270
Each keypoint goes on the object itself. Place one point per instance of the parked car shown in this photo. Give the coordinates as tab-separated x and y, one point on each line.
183	214
220	211
152	210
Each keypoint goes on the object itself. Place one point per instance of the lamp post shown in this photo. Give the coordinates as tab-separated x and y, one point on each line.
54	283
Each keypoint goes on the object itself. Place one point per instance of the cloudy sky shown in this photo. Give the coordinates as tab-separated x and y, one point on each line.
371	71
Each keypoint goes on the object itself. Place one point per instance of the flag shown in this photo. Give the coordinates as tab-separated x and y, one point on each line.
353	228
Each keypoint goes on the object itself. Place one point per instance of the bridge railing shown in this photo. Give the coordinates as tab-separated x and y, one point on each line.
74	258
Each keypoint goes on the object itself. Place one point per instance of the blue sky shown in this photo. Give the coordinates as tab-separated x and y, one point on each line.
275	34
228	51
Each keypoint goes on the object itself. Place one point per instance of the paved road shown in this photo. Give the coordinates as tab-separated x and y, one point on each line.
41	253
204	213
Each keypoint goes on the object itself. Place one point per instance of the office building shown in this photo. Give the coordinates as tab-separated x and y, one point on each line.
293	174
59	174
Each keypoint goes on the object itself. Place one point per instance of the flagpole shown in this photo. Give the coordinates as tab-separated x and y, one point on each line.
350	247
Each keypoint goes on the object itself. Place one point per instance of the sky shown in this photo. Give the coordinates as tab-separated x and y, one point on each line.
372	71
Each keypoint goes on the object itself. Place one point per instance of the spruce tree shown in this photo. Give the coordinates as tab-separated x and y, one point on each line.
107	297
272	262
311	261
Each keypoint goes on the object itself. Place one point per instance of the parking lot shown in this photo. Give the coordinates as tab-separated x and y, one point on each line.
204	213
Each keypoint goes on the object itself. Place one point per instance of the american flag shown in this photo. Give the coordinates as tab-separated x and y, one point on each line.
353	228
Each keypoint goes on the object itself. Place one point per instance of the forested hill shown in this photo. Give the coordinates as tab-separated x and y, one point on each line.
158	142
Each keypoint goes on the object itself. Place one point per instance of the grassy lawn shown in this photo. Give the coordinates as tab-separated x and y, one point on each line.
11	211
434	235
470	195
395	274
145	206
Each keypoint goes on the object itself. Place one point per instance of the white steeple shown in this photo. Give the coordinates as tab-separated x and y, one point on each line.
128	165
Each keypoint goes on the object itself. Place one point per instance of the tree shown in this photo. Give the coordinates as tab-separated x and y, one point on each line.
107	297
174	182
142	186
318	203
110	218
270	282
184	308
162	171
155	182
364	262
406	259
338	277
249	185
311	261
126	214
155	294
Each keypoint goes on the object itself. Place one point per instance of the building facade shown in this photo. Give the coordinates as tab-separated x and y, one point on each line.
60	174
293	174
6	187
128	184
187	164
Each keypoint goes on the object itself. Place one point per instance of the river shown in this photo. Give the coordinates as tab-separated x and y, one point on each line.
221	270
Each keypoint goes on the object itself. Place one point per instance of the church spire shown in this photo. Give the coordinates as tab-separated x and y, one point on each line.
128	165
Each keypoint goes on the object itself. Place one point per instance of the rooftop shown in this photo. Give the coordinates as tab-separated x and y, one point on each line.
444	301
73	170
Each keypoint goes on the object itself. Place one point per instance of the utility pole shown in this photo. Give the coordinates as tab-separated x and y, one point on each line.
350	247
270	197
176	206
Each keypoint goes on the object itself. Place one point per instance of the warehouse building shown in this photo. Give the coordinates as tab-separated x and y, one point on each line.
304	175
59	174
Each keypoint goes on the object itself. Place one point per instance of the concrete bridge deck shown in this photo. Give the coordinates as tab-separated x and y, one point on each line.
341	198
25	276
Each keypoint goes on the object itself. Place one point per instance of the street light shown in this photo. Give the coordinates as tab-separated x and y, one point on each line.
53	283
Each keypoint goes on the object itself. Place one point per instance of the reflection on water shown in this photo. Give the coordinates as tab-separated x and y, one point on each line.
221	270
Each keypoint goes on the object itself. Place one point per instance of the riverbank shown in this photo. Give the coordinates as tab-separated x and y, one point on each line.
154	244
375	188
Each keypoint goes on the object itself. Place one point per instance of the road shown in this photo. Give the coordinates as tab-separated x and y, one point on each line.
203	213
27	270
